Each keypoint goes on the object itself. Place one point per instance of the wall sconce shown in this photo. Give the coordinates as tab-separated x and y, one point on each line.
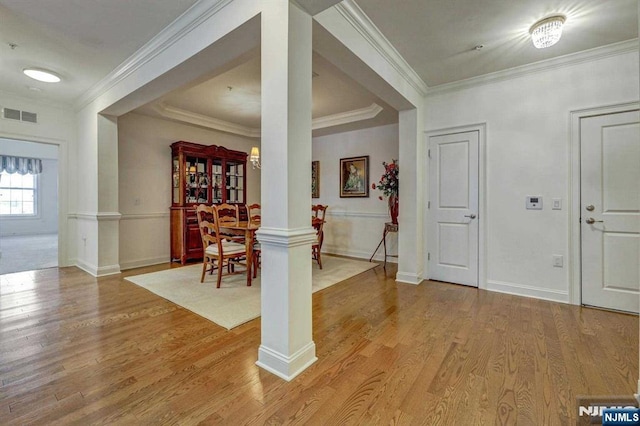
254	157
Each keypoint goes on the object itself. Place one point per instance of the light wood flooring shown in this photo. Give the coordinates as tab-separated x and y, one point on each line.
80	350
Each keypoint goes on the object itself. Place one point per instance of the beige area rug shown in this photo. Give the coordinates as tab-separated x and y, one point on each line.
233	303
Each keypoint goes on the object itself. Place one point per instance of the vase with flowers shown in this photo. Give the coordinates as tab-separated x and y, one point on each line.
389	186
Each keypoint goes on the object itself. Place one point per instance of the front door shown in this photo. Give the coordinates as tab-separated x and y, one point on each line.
610	210
453	208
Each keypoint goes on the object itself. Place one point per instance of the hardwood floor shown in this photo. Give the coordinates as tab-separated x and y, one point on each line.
80	350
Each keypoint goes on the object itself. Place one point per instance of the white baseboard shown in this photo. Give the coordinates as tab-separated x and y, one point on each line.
87	267
409	278
108	270
132	264
528	291
98	271
358	254
286	367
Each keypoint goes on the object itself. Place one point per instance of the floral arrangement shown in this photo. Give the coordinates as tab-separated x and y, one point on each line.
389	181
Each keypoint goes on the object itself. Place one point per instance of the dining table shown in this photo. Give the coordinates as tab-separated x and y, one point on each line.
246	228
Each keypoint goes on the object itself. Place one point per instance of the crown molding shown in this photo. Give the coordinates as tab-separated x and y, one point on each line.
346	117
187	116
193	17
363	24
597	53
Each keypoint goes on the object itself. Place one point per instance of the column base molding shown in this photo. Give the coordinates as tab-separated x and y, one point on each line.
286	367
408	278
97	271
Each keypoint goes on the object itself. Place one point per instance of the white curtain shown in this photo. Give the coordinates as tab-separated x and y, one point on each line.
20	165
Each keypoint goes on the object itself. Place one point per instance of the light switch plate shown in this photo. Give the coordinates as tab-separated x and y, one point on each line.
557	204
534	202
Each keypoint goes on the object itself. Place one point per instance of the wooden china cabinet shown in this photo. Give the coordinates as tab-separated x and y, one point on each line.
201	174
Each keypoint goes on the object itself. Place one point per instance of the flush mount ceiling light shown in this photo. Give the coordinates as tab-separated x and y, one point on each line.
41	75
547	32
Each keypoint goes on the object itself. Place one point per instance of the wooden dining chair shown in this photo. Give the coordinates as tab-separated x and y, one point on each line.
229	213
204	214
317	220
254	215
253	212
219	250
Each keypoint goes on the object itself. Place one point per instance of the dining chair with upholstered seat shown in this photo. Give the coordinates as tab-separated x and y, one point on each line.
317	220
218	249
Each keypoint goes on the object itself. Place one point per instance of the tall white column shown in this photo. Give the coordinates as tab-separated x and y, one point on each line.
107	213
410	244
286	234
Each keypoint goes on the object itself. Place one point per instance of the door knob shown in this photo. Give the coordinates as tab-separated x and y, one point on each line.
590	207
591	221
472	216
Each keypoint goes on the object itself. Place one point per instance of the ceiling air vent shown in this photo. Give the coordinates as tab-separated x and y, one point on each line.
30	117
11	114
16	114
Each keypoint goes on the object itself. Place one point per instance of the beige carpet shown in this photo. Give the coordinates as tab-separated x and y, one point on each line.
234	303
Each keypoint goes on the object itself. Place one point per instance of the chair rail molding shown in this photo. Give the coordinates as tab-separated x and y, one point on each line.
140	216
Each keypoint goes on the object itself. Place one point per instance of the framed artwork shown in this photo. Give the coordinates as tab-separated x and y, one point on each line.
354	177
315	179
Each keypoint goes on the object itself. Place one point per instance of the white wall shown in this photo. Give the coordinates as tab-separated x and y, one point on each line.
354	225
144	158
46	219
56	124
527	153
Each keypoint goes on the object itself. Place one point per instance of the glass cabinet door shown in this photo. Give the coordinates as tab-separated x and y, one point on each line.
216	180
196	180
235	182
175	179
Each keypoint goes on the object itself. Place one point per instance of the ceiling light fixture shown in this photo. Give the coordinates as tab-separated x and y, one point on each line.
41	75
547	32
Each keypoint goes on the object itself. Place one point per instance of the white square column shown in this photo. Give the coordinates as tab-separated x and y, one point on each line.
286	234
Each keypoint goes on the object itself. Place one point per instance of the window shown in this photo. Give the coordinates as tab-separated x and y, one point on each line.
17	194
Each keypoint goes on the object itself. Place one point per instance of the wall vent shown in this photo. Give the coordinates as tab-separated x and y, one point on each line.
30	117
11	114
16	114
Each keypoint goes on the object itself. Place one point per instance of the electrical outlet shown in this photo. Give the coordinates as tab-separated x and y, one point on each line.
557	260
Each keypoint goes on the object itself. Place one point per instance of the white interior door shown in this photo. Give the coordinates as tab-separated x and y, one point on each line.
610	210
453	208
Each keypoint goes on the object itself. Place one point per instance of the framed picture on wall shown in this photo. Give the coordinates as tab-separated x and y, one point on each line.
354	177
315	179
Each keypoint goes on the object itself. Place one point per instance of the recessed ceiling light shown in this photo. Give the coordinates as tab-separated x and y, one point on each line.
41	75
